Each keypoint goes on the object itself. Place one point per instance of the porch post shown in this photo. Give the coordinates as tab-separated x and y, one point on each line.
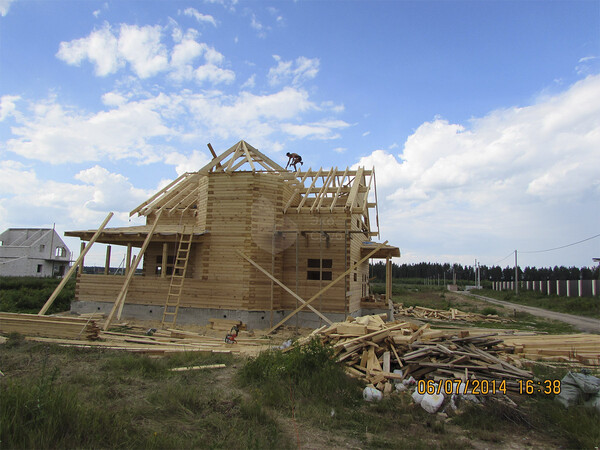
107	262
388	278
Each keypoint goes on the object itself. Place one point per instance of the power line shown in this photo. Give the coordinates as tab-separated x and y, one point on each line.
510	254
562	246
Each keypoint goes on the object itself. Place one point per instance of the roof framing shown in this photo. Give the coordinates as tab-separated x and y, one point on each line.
314	191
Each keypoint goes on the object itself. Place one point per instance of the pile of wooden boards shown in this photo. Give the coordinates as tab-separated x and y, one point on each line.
372	349
421	312
582	349
84	332
49	326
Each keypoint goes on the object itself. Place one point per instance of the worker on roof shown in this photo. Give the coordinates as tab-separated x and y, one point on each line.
293	159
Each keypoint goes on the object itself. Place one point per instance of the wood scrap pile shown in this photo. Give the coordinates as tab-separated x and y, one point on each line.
372	349
49	326
421	312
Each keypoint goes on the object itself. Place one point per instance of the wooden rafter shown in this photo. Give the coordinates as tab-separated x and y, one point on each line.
158	194
339	189
308	191
319	197
354	190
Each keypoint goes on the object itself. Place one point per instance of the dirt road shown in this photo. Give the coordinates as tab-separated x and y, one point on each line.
586	324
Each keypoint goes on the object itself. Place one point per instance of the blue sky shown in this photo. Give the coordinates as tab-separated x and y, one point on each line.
481	118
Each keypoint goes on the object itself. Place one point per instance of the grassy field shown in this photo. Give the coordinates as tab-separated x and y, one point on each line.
580	306
438	297
59	397
56	397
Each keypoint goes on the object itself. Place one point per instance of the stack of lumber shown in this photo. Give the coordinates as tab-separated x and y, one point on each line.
421	312
58	330
581	349
372	349
61	327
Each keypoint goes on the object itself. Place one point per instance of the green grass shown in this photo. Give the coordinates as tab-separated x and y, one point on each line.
54	397
29	294
306	385
576	427
580	306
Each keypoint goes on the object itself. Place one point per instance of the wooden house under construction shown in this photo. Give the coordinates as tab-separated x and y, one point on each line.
245	239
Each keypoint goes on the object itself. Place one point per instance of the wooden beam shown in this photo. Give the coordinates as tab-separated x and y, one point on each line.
265	158
81	262
173	197
121	297
165	256
339	189
322	192
186	201
61	285
247	152
128	256
288	290
159	193
354	189
212	151
315	178
236	155
107	261
216	162
326	288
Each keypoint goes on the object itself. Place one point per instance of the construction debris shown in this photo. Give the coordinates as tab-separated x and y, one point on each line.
421	312
371	349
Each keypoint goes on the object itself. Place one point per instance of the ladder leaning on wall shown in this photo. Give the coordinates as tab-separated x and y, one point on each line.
177	278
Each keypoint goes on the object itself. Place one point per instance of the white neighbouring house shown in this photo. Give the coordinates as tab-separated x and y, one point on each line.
33	252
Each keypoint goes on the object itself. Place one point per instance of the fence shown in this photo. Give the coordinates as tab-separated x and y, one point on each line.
570	288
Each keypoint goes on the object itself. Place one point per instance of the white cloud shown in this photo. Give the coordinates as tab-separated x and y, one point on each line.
213	74
317	130
110	191
340	150
185	163
249	83
57	135
227	4
201	18
7	106
142	48
147	56
294	72
5	6
507	173
100	192
100	47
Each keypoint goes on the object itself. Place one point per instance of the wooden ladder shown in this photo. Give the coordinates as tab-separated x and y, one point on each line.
177	278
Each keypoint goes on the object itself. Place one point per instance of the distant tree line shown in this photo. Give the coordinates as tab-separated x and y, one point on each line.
494	273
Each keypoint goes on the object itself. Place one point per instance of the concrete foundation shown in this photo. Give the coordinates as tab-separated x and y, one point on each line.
252	319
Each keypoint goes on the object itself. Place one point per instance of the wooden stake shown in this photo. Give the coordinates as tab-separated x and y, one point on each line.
74	267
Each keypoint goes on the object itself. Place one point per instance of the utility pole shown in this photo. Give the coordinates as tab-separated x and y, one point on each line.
516	275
